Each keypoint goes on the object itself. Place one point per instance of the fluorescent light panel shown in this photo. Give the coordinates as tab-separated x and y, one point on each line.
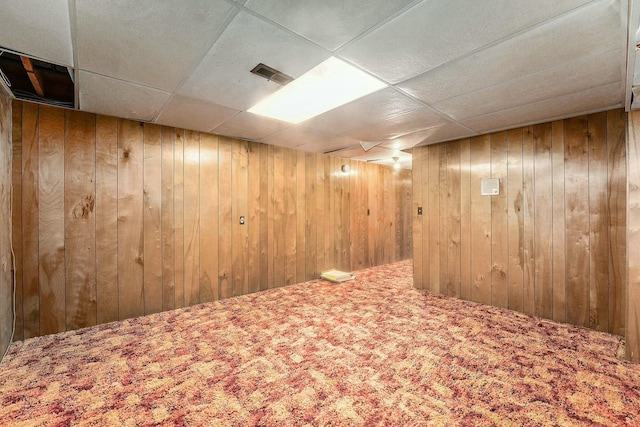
329	85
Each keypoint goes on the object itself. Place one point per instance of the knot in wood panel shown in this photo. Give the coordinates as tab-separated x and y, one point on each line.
83	208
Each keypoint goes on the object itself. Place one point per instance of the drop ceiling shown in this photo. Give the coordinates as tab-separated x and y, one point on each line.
453	68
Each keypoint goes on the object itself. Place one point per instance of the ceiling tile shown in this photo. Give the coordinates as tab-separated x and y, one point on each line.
250	126
592	71
435	32
413	121
297	136
224	75
446	132
328	145
187	113
38	28
595	99
146	41
370	109
104	95
329	23
592	29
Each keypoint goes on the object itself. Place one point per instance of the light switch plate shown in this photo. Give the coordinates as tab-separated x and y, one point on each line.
490	187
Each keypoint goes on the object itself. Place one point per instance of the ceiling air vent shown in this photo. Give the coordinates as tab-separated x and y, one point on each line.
36	80
271	74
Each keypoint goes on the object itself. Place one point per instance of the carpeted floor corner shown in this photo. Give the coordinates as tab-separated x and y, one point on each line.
372	352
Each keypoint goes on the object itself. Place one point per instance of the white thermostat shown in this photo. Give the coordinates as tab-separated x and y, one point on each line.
490	187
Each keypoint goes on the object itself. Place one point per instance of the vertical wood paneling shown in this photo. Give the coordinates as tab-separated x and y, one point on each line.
225	254
499	227
151	217
528	210
481	214
543	214
434	217
16	220
178	212
51	220
106	210
515	220
152	198
617	215
130	225
167	213
301	207
632	330
577	219
598	223
239	207
453	220
416	166
30	218
79	230
552	244
6	259
191	218
558	223
208	218
253	219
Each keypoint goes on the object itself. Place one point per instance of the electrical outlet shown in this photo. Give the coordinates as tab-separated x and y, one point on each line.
419	210
242	220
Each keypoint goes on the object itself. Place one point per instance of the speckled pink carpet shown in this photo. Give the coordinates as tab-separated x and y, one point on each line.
372	352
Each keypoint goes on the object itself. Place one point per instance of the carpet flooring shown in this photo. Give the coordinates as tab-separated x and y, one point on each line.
371	352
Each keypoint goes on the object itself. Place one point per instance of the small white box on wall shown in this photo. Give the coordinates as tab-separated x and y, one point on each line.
490	187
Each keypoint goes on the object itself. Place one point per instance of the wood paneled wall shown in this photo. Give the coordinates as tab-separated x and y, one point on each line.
633	239
115	219
6	282
552	244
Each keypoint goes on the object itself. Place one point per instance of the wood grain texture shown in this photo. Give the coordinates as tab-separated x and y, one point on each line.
152	199
558	222
543	226
453	185
106	213
209	232
130	220
577	219
51	220
632	330
16	219
166	204
79	230
499	228
167	213
191	218
617	215
598	223
556	233
417	203
6	259
30	218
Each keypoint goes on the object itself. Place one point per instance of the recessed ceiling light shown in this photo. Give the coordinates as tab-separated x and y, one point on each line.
325	87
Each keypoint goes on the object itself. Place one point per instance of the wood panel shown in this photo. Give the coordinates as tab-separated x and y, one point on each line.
106	213
577	217
417	203
130	220
16	218
543	214
453	186
167	214
79	230
499	228
6	260
598	223
632	330
553	243
209	232
51	220
481	214
191	218
30	219
152	199
150	218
